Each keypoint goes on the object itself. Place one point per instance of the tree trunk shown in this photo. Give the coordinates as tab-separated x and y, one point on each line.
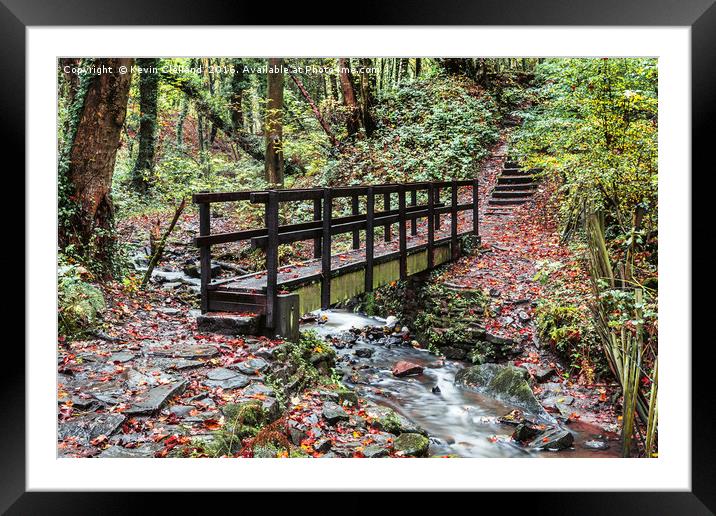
367	93
238	85
316	111
273	128
349	96
418	64
180	123
148	90
88	164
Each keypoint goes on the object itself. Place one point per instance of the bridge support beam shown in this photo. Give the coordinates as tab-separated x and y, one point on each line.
287	316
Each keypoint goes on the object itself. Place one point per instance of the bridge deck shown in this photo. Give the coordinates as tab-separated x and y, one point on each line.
295	275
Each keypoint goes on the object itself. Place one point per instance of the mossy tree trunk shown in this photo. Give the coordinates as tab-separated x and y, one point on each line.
367	93
273	127
148	93
88	162
349	96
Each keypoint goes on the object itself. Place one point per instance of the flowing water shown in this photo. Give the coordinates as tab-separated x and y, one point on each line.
460	422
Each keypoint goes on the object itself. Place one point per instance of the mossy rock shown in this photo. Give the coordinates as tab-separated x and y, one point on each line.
414	445
388	420
248	413
267	451
506	383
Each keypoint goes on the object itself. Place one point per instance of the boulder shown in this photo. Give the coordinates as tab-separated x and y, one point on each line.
453	352
404	368
413	445
525	432
387	420
506	383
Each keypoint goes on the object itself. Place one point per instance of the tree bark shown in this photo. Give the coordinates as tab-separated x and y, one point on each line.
238	85
148	92
349	96
273	128
89	162
418	63
367	94
249	143
316	111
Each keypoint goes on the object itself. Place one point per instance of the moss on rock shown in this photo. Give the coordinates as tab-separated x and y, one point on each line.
414	445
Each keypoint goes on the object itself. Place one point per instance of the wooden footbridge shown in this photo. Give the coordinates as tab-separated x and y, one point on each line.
280	295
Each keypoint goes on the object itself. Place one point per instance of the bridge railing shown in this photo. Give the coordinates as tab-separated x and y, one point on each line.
325	226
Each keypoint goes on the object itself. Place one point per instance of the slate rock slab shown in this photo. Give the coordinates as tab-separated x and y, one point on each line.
121	357
120	452
226	379
553	439
189	349
88	427
154	399
333	413
251	366
258	389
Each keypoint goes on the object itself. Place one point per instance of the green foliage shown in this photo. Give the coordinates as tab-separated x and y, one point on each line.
595	128
241	421
427	130
80	304
308	361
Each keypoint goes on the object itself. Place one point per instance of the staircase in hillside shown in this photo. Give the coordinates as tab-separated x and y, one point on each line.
514	186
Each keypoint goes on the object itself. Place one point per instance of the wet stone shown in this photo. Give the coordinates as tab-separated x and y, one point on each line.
189	349
181	410
553	439
259	389
156	398
226	379
251	366
168	310
121	357
322	445
404	368
333	413
120	452
595	444
375	452
89	427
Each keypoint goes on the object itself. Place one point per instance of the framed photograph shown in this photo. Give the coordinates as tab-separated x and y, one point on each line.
312	257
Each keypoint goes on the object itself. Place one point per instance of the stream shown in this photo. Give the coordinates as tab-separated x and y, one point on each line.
459	422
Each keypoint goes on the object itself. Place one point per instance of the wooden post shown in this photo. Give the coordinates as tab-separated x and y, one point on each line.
414	222
369	213
437	201
317	216
271	258
431	225
453	221
326	251
356	233
386	207
402	233
475	206
205	255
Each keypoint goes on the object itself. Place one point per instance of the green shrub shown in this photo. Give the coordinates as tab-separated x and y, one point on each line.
80	304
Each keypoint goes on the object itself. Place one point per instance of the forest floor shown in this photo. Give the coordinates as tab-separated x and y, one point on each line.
148	384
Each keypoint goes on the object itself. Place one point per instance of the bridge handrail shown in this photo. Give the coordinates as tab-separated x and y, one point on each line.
324	226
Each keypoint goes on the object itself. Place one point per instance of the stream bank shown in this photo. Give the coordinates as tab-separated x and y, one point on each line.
459	421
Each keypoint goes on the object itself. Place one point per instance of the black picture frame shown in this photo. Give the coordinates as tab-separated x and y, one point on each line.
700	15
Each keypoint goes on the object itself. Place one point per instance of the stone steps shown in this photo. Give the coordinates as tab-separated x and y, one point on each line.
515	186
